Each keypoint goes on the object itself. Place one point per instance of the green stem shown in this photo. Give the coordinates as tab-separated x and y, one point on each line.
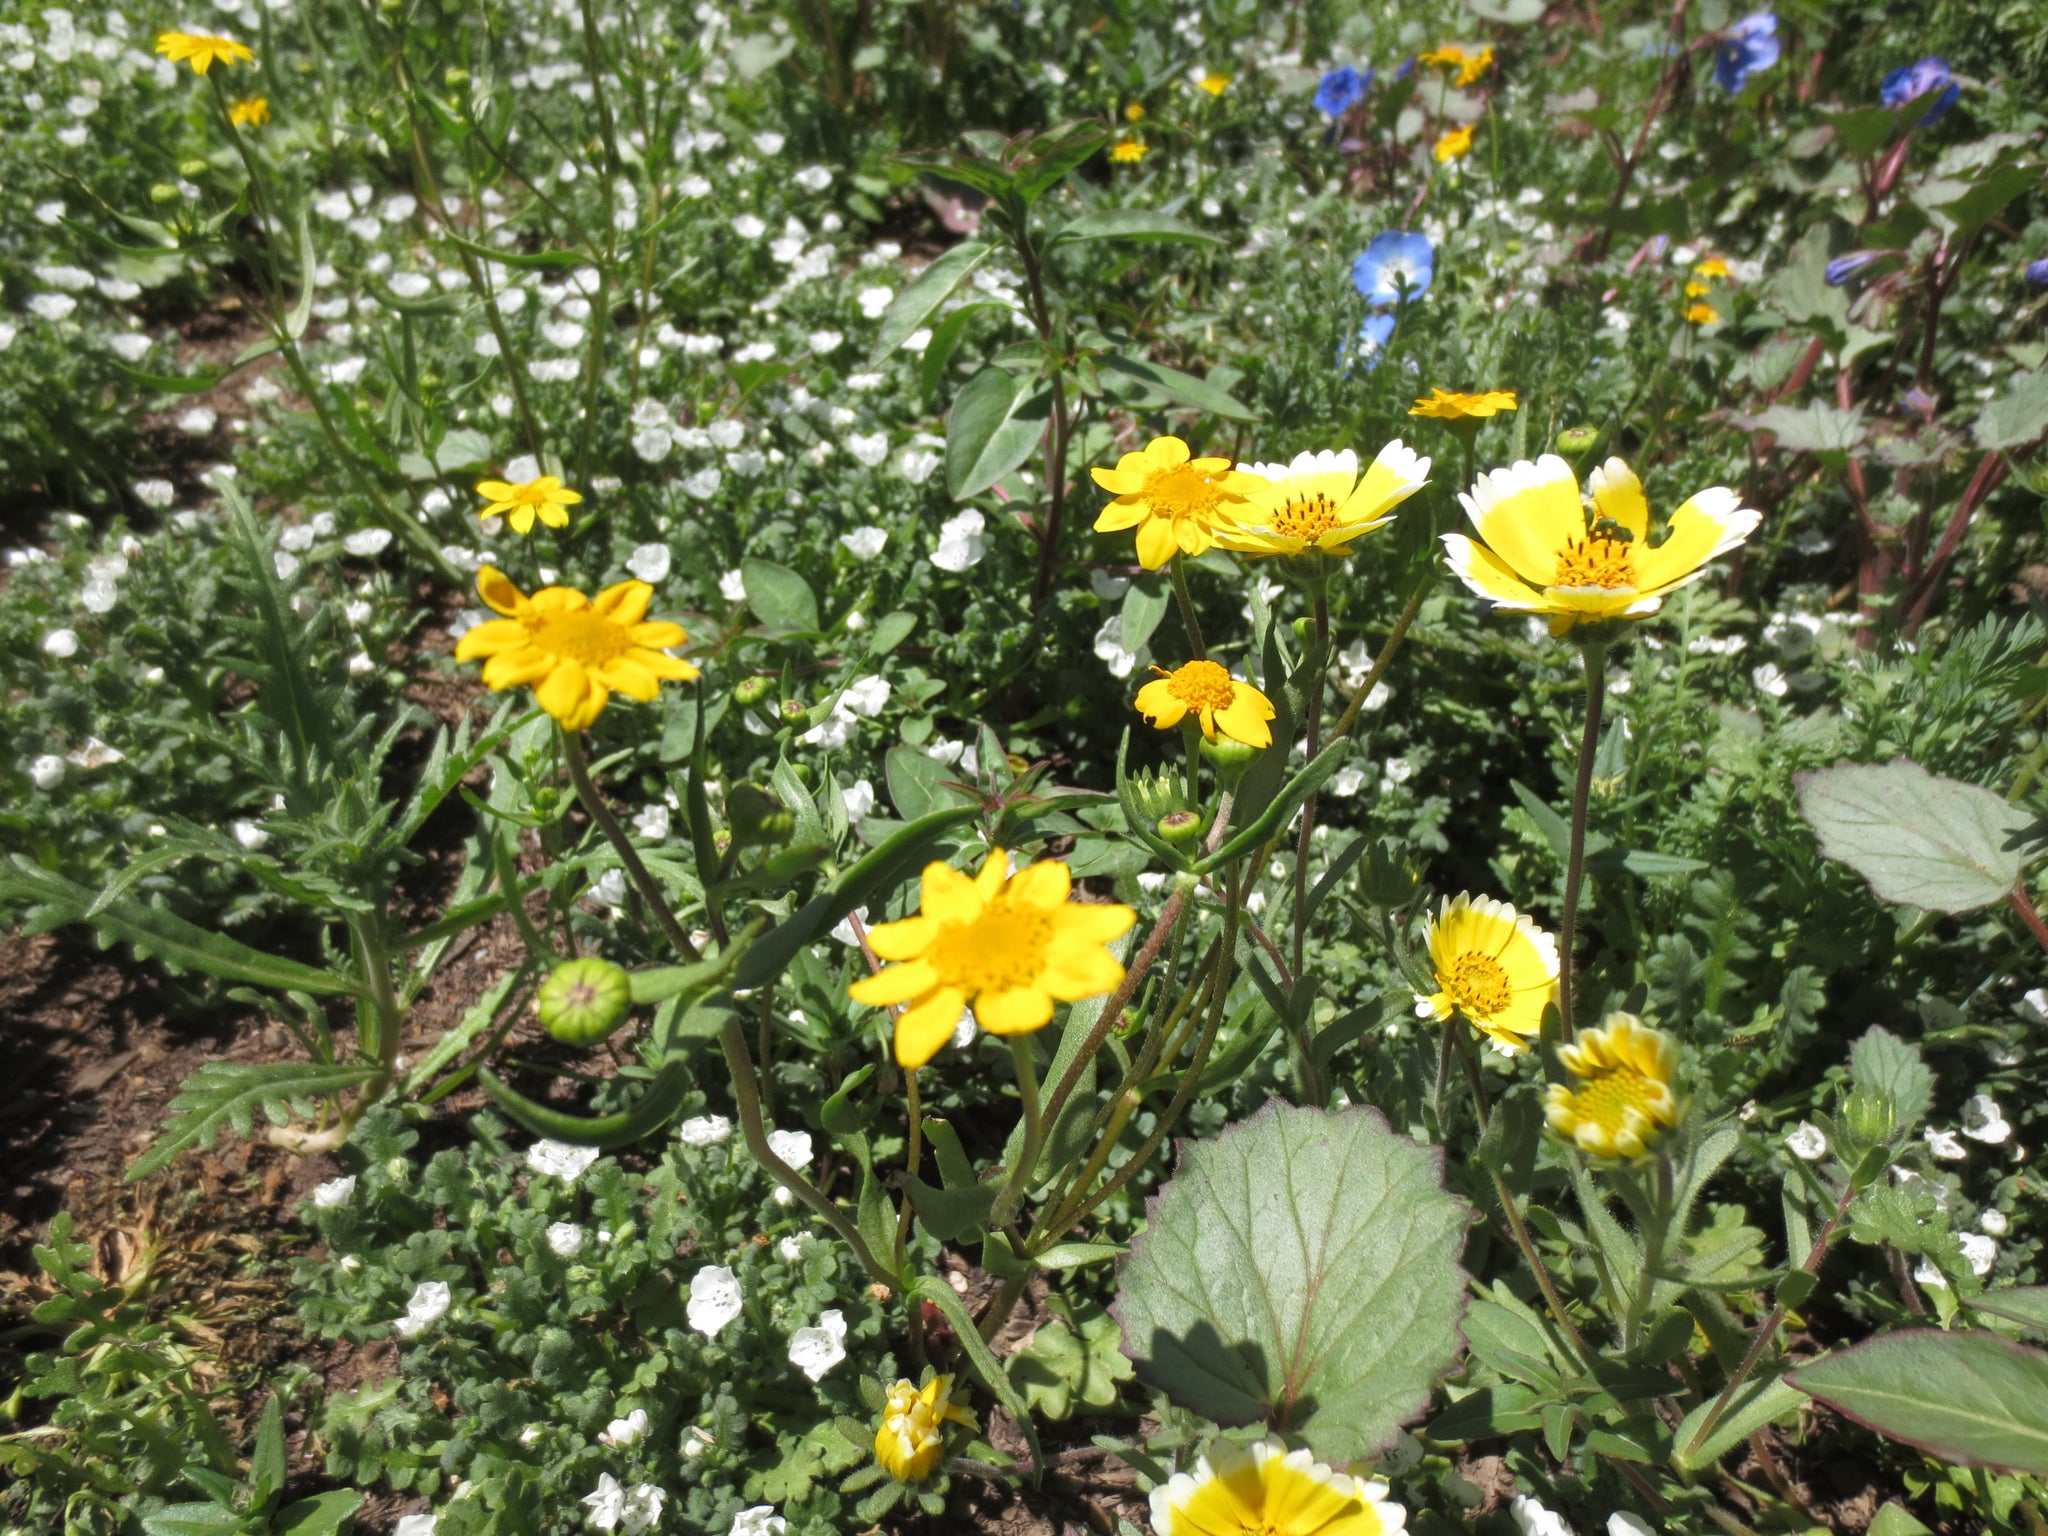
1380	663
1186	599
1014	1190
1319	655
1575	859
1656	1232
629	856
1141	963
911	1159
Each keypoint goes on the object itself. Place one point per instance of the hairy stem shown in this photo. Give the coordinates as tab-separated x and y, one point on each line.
1575	860
629	856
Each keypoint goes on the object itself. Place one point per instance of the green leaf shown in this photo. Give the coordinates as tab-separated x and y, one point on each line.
2017	417
941	1295
1300	1270
1894	1519
1131	224
321	1515
994	426
1919	840
925	293
192	1520
916	782
1817	428
309	262
1972	1398
224	1093
2023	1304
1175	385
1759	1402
779	597
1865	130
1986	198
1145	605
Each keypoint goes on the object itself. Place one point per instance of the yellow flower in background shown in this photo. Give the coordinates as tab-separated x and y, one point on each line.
1539	552
1128	151
1476	65
1214	84
1267	1490
249	112
1176	502
201	51
1494	966
1701	314
1624	1102
1218	701
1006	946
1135	112
1469	66
1320	502
1455	144
913	1428
546	498
1713	266
1450	405
573	650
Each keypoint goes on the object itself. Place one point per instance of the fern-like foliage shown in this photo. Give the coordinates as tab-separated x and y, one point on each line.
230	1093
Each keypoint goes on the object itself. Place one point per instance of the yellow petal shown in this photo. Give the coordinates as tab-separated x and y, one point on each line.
1527	513
1016	1012
1488	575
489	638
904	940
894	984
1158	704
628	677
1156	543
920	1031
1043	885
1708	524
626	603
1121	514
1618	495
564	692
948	895
1244	718
1074	971
496	589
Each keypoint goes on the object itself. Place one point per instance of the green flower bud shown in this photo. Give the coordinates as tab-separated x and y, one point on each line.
1573	441
1180	827
752	690
1156	794
794	710
1869	1116
454	77
1386	879
191	169
757	816
164	192
583	1001
1231	758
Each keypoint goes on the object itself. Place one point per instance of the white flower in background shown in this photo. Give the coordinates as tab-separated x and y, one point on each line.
366	542
748	227
1109	648
653	444
98	596
649	562
346	370
607	1505
249	835
747	461
1622	1523
814	1351
769	143
843	929
47	771
298	538
791	1248
558	1158
652	823
1807	1142
565	334
399	207
704	1130
410	285
155	493
1994	1222
865	696
964	1030
1394	772
2035	1005
565	1239
869	450
858	798
1984	1121
761	1520
53	211
873	301
793	1147
73	279
623	1432
961	544
643	1508
1534	1520
1770	678
130	346
917	464
414	1525
813	178
825	342
61	643
1347	782
1945	1145
864	543
95	754
53	306
428	1305
917	341
714	1299
1927	1274
704	483
755	352
732	586
1979	1251
334	1192
861	383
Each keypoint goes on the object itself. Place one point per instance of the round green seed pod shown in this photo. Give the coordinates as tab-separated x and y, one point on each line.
584	1001
752	690
1180	826
1573	441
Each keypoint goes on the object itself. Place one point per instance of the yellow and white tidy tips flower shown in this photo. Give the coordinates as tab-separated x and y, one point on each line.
1264	1489
1540	549
1177	503
1494	966
1219	702
913	1430
1320	502
1624	1101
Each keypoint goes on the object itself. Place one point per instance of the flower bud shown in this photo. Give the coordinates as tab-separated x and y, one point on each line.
794	710
1386	879
1180	827
455	77
1574	441
1868	1116
1156	795
193	169
164	192
1231	757
752	690
757	816
583	1001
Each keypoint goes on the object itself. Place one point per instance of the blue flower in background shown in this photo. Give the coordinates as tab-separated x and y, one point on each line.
2037	273
1341	90
1395	261
1748	46
1373	337
1910	82
1407	68
1842	268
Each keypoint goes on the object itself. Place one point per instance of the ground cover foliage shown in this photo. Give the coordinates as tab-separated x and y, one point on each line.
1238	764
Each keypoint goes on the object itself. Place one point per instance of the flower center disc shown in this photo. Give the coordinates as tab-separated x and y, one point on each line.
999	951
1181	492
1202	685
1480	986
1607	1099
582	636
1306	517
1596	562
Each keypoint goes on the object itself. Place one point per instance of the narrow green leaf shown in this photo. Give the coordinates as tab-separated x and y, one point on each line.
1175	385
2023	1304
990	1371
224	1093
1131	224
1759	1402
923	294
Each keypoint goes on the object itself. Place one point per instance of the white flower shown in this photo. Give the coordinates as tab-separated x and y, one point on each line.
53	306
74	279
732	586
825	342
1979	1251
643	1507
1109	648
649	562
414	1525
861	383
1534	1520
565	1162
869	450
704	1130
1945	1145
47	771
961	544
61	643
703	483
1927	1274
653	444
365	542
623	1432
1347	782
917	464
1622	1523
865	542
813	178
791	1248
429	1303
2035	1003
410	285
761	1520
843	929
747	461
748	227
565	1239
814	1351
1984	1121
865	696
130	346
858	798
1770	678
345	371
1807	1142
918	340
607	1505
334	1192
964	1030
1994	1222
155	493
793	1147
874	300
714	1299
95	754
249	835
652	823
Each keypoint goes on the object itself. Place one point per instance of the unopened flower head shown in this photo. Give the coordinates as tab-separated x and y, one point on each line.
912	1434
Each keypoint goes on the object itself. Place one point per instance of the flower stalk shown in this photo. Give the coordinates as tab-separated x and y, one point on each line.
1595	654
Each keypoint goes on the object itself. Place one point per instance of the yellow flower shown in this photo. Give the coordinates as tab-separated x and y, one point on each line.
1128	151
1319	501
573	650
1174	501
913	1429
249	112
201	51
1536	553
1624	1102
1449	405
1702	314
1492	965
1713	266
1218	701
546	498
1475	65
1006	946
1135	112
1266	1488
1455	144
1214	84
1450	56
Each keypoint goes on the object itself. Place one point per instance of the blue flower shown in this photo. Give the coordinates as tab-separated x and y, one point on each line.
1341	90
1748	46
1373	337
1910	82
1842	268
1397	264
2037	273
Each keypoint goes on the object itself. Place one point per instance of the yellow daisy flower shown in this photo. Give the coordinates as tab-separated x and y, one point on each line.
913	1428
1475	65
1450	405
1135	112
1128	151
1450	56
1264	1487
1007	946
1174	501
249	112
1624	1103
1455	144
201	51
572	649
1218	701
1713	266
1320	502
1215	85
1536	552
1702	314
546	498
1494	966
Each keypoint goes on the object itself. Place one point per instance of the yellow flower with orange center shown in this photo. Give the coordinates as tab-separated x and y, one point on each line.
1494	966
249	112
1128	151
546	498
1624	1101
912	1433
1218	701
1264	1489
572	649
201	51
1701	313
1540	550
1454	144
1449	405
1319	501
1175	501
1005	946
